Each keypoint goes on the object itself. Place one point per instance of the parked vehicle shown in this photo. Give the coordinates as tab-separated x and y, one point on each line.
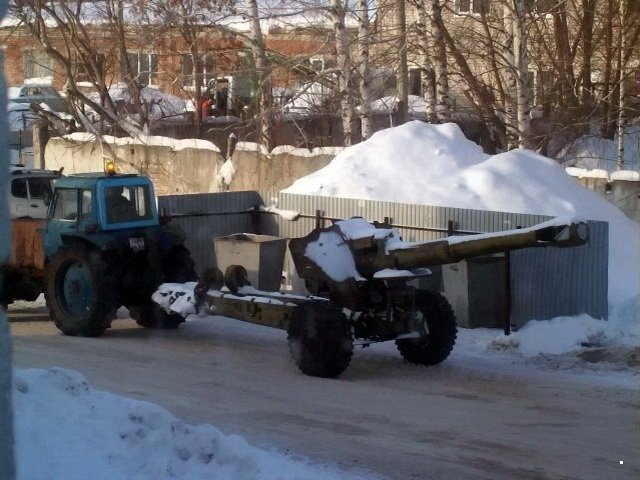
101	246
33	93
30	191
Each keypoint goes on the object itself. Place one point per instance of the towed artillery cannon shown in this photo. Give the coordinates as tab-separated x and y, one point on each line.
360	277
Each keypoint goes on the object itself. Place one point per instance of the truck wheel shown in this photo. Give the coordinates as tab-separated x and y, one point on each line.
153	316
438	331
80	292
320	339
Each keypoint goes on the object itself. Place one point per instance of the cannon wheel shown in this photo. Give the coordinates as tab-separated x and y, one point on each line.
438	331
320	339
80	292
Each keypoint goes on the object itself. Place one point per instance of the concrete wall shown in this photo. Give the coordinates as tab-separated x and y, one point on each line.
177	168
620	188
256	169
173	168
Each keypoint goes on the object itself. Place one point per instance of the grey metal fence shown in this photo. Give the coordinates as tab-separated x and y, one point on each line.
544	282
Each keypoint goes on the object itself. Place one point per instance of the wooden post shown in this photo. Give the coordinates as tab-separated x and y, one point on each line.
40	139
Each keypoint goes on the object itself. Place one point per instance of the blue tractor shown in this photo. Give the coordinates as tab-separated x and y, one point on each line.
104	246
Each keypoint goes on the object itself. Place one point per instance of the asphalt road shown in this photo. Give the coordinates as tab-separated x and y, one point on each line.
382	416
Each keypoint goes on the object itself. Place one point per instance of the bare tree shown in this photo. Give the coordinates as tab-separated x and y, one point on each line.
345	80
263	80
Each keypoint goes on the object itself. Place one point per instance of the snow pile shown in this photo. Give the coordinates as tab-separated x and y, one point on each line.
161	105
569	334
415	105
308	99
65	429
594	152
438	165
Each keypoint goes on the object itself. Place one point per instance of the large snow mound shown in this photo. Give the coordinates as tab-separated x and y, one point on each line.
66	430
437	165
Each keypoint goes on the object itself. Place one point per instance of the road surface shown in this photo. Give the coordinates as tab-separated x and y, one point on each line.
460	420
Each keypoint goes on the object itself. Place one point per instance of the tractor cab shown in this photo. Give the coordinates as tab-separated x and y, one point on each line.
91	204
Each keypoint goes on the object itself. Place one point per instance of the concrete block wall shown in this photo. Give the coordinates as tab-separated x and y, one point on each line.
177	167
621	188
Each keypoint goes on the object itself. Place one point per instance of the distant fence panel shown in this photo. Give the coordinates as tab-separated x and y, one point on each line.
208	215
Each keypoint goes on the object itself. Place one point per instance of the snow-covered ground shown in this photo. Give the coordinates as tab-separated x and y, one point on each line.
67	430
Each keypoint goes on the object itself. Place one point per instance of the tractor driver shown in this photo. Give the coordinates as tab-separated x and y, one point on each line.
119	207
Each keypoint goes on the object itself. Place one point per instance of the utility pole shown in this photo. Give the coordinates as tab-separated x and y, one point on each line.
402	75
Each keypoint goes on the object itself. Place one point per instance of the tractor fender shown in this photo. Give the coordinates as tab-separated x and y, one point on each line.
101	241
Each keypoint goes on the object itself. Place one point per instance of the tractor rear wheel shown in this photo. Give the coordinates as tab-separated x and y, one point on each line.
320	339
153	316
178	267
80	291
436	323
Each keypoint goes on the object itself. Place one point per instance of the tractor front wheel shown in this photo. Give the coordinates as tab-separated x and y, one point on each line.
320	339
436	324
80	292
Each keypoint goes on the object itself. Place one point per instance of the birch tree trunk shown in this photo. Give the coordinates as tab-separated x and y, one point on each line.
263	82
402	74
511	79
438	46
427	71
345	81
622	103
364	31
523	87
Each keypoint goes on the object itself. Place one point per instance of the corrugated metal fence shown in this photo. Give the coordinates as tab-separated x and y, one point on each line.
545	282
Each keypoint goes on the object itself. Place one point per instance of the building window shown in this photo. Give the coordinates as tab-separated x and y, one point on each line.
84	72
144	67
317	64
37	64
472	6
188	70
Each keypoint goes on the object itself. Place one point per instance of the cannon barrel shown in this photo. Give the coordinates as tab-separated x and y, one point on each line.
357	249
454	249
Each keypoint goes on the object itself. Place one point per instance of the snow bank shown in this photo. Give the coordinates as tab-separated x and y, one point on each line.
65	429
438	165
569	334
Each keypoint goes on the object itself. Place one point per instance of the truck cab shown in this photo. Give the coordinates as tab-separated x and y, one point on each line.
30	191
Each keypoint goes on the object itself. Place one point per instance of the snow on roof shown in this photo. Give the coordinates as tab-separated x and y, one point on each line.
585	173
416	105
627	175
436	165
590	151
